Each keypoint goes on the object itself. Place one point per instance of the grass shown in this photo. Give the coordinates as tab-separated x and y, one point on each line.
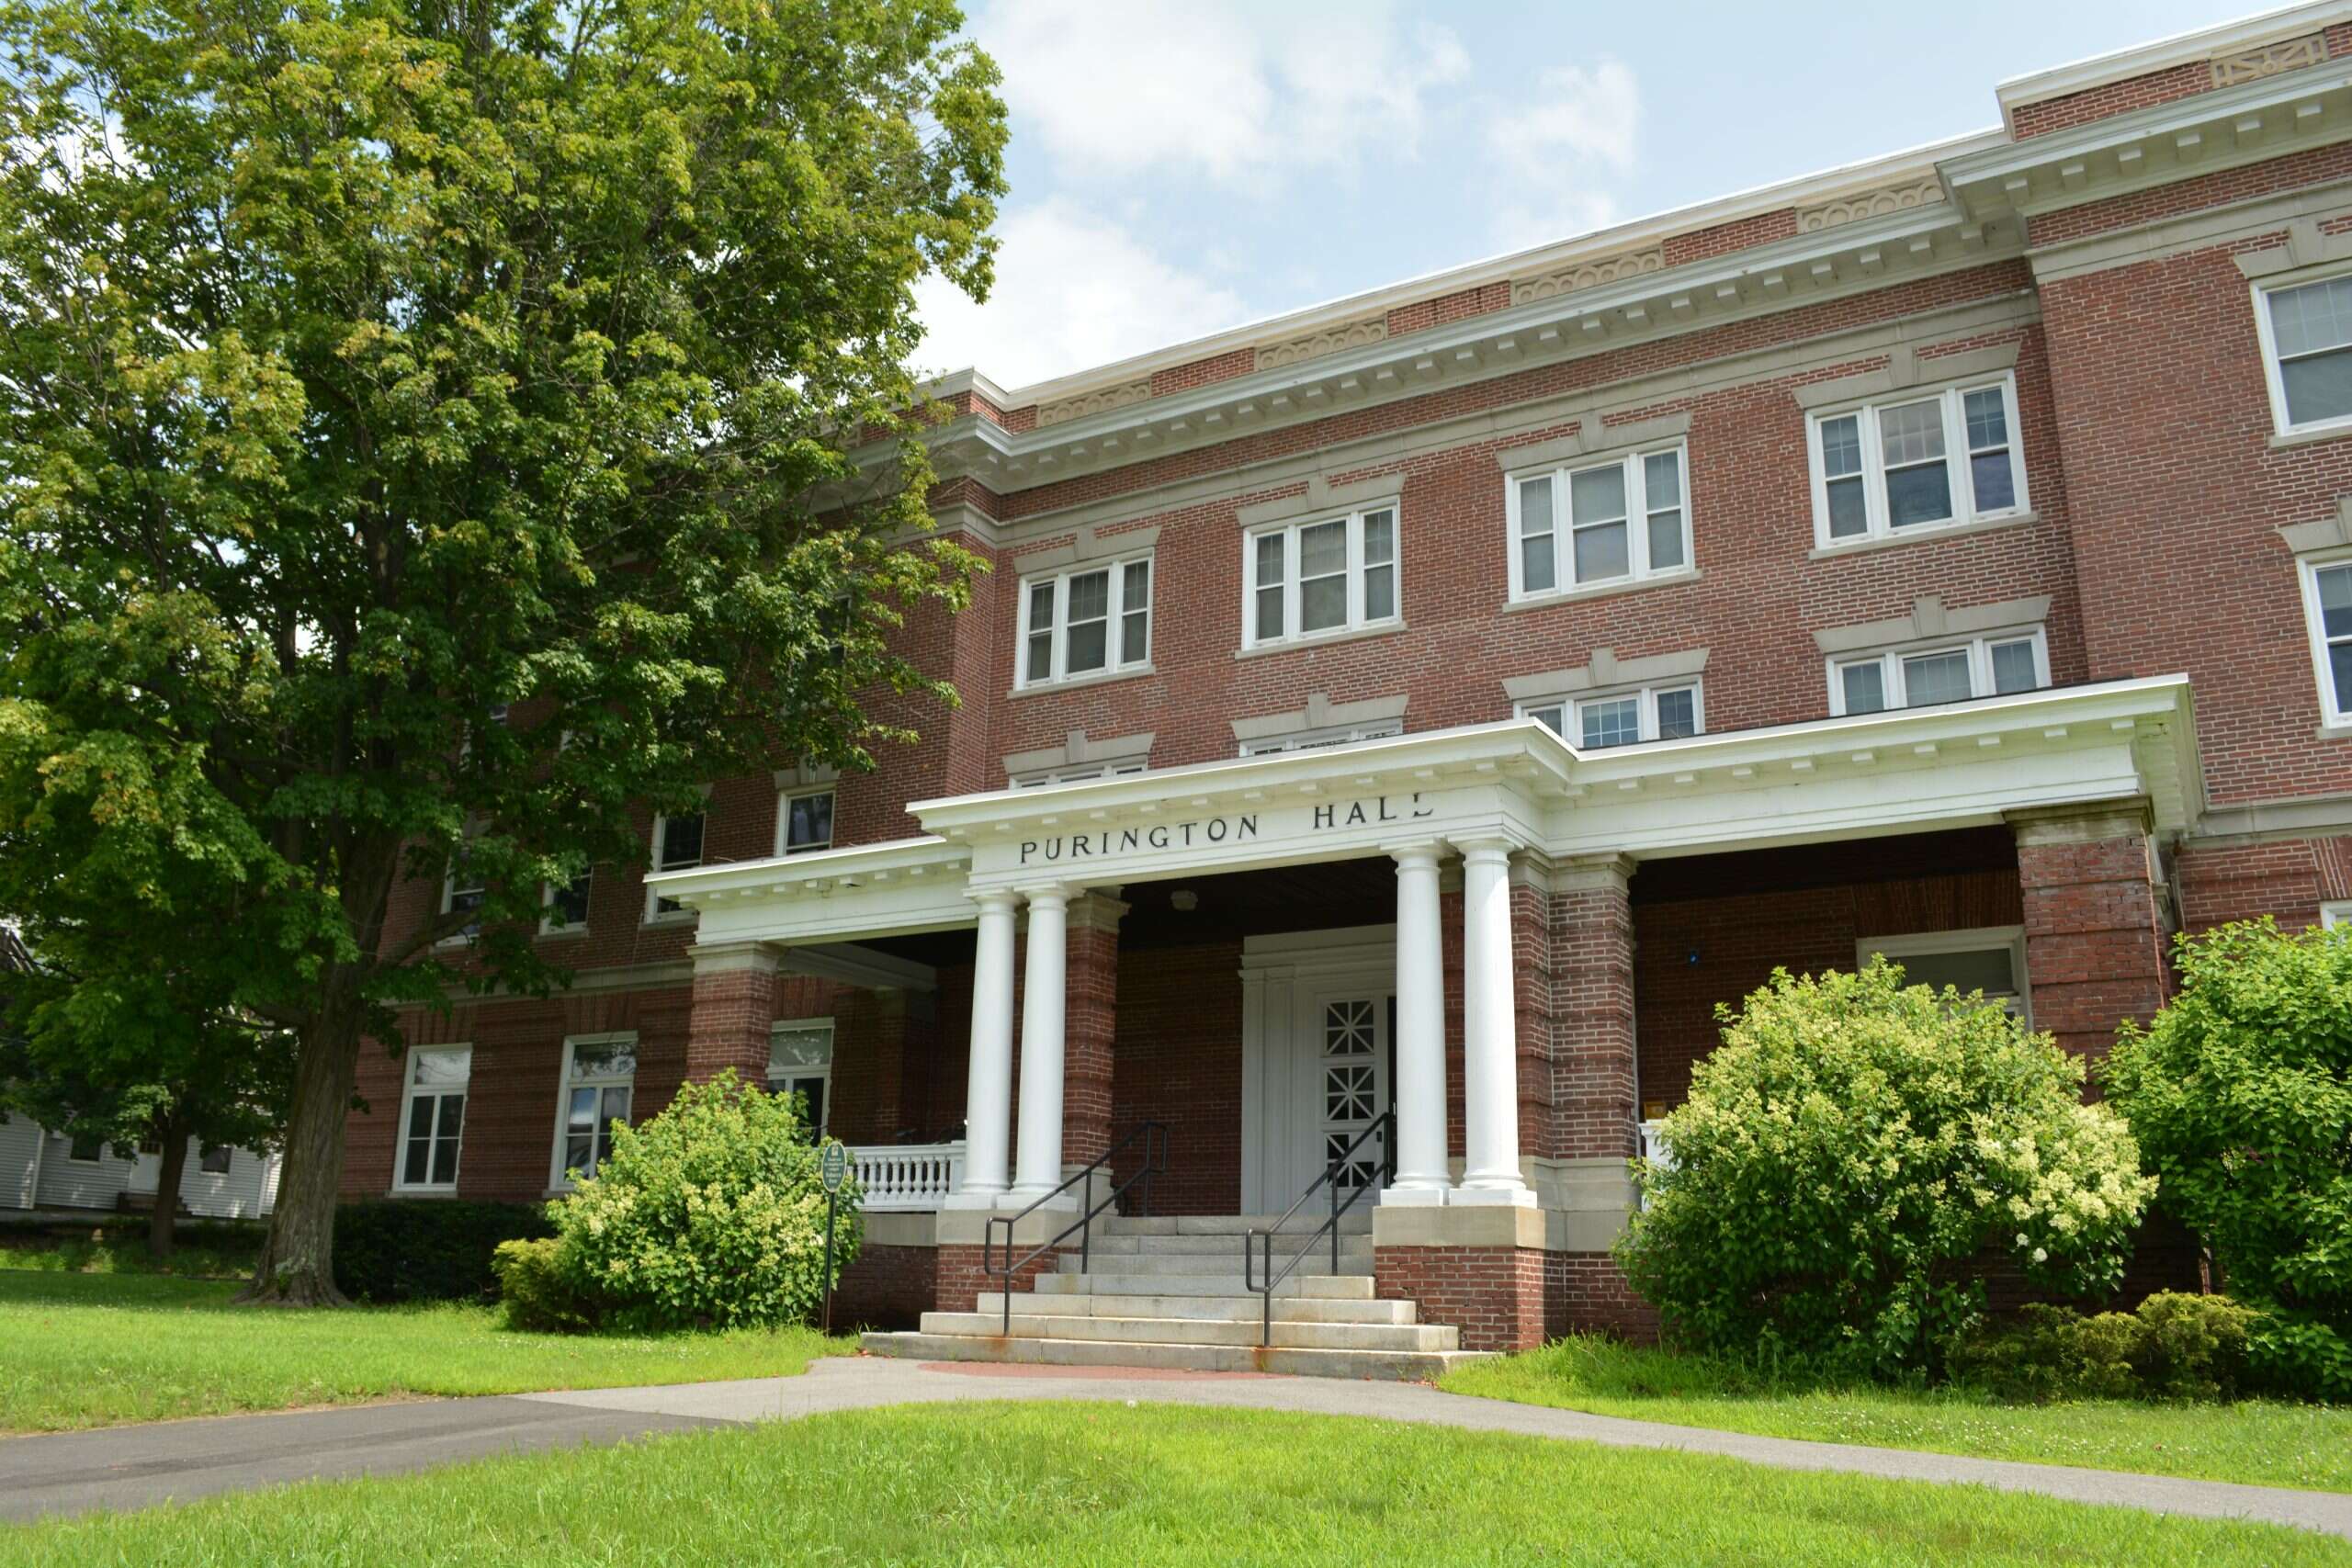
203	1250
2258	1441
93	1350
1086	1484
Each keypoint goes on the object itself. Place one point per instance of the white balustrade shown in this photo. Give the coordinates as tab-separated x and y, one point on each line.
907	1177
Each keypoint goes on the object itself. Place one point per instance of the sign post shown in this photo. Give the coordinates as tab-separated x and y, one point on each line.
834	1168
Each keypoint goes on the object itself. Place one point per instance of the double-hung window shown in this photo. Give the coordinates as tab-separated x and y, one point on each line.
1885	468
1090	620
599	1075
2327	610
805	822
432	1117
2307	352
800	1061
1620	719
564	905
1618	521
1930	673
1319	578
463	889
677	846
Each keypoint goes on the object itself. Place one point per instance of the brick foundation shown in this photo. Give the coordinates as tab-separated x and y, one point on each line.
1494	1294
960	1279
1586	1292
887	1287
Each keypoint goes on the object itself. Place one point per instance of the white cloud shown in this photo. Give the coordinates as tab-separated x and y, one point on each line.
1074	289
1581	126
1239	93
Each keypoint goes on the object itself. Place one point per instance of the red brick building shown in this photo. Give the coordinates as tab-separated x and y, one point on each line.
1438	700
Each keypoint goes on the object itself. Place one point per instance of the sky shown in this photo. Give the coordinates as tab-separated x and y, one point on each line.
1181	166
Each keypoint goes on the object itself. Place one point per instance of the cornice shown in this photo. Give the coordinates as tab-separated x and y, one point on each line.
2164	54
1849	258
2204	133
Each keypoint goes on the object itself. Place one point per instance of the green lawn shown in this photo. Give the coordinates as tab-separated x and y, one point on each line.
2259	1441
1109	1484
93	1350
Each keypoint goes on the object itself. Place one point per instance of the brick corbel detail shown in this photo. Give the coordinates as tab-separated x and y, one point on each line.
2093	920
734	1009
1592	962
1088	1024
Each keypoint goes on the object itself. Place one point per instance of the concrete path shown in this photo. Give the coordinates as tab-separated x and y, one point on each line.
132	1467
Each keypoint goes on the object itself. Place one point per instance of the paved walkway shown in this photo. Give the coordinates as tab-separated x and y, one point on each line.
129	1467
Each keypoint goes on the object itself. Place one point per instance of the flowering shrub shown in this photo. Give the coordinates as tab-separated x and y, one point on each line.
2240	1093
2173	1347
1851	1154
711	1214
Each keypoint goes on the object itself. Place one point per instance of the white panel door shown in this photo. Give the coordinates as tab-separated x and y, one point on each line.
1339	1045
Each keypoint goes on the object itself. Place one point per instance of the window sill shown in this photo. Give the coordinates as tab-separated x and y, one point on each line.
563	1192
670	917
1604	589
405	1194
563	933
1092	678
2287	439
2334	732
1925	531
1319	639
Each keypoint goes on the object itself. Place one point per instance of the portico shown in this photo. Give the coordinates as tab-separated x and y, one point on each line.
1480	884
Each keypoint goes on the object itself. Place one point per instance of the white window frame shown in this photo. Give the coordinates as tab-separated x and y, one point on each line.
1115	623
654	913
1080	773
1570	726
556	1180
2307	571
1317	739
824	1074
550	925
1979	648
2334	913
450	888
2272	377
410	1094
1564	582
1974	939
1355	620
1959	473
784	820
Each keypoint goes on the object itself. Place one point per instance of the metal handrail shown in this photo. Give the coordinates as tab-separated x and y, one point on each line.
1386	1125
1154	1136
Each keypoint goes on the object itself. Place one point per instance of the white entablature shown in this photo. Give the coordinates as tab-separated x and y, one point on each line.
1514	782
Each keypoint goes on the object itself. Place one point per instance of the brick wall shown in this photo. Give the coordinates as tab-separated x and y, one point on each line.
1586	1292
1178	1061
2094	931
1494	1294
961	1280
887	1287
1593	1068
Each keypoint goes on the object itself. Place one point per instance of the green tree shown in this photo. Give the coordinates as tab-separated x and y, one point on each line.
2240	1093
438	430
1851	1153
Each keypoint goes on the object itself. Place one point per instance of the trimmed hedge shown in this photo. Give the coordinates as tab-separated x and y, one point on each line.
433	1250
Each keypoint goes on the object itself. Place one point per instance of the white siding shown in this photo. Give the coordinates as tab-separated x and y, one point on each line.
19	1153
245	1193
66	1183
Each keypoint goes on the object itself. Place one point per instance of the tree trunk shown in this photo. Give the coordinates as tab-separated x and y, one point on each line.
297	1265
169	1168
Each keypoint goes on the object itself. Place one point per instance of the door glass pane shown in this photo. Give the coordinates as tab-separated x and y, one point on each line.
1616	722
1347	1029
1678	714
2013	667
1865	686
1933	678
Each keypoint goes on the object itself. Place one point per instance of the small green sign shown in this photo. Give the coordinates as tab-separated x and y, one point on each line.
836	1166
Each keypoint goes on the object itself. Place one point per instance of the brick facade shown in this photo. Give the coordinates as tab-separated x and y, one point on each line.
2158	487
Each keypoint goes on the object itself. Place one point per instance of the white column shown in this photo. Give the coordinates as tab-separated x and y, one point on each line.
1490	1031
1043	997
1423	1178
988	1092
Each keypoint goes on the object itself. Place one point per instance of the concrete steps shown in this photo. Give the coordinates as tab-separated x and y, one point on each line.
1169	1293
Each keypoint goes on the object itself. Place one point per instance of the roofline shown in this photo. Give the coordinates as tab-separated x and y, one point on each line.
2161	54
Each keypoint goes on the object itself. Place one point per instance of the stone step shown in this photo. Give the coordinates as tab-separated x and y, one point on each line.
1125	1282
1403	1366
1318	1262
1287	1308
1355	1222
1193	1331
1222	1245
